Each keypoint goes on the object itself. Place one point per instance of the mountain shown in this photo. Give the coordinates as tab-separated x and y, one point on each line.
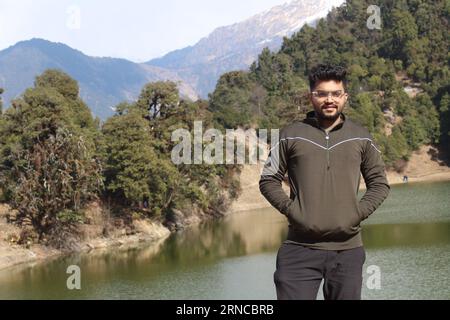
104	82
235	47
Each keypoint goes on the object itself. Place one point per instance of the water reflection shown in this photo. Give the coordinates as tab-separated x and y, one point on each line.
202	262
410	234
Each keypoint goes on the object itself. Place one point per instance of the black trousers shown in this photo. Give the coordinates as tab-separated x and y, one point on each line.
300	270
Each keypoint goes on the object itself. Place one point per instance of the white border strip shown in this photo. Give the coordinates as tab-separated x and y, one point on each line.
325	148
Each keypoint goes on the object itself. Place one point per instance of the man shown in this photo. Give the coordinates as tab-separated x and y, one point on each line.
323	156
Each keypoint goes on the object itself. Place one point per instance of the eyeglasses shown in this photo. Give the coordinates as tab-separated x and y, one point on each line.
324	94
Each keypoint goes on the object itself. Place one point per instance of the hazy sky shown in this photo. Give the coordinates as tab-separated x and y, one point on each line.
133	29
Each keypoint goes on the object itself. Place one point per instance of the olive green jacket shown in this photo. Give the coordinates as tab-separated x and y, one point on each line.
324	175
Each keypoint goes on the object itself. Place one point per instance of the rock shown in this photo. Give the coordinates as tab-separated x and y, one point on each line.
5	210
175	220
129	231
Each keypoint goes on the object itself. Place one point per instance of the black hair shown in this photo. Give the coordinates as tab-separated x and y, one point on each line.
324	72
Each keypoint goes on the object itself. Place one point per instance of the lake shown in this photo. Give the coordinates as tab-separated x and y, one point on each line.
407	240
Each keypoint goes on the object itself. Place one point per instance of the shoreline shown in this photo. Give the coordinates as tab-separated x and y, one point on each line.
395	178
38	253
251	199
13	255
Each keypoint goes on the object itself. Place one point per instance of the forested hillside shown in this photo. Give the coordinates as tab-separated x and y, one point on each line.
55	160
399	77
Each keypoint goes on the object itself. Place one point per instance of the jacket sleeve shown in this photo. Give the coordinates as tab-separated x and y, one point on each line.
270	183
373	171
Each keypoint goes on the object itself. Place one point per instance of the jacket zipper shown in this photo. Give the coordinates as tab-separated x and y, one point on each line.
327	137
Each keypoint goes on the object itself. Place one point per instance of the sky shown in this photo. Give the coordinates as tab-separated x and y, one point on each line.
137	30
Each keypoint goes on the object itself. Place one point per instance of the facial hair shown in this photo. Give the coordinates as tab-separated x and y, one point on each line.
323	116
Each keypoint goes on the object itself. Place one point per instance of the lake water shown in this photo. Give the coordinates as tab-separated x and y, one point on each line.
407	239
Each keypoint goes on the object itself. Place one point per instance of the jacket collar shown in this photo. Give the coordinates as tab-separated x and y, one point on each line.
312	120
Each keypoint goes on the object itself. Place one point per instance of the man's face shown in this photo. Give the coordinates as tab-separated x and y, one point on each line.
328	98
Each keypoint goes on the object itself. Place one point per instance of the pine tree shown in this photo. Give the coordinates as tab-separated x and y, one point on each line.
48	164
139	170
